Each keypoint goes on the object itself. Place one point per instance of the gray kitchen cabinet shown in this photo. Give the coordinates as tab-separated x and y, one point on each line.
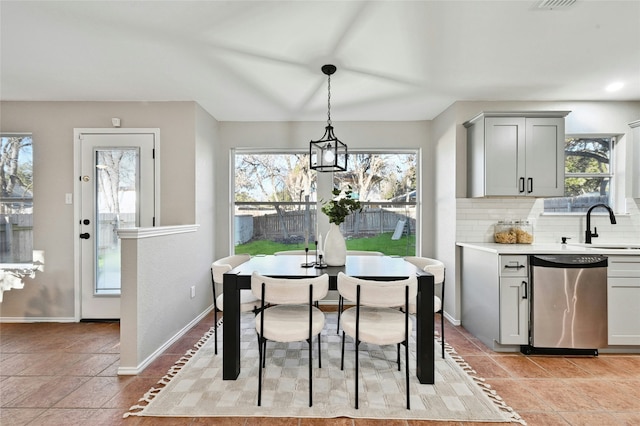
493	305
514	300
623	300
516	154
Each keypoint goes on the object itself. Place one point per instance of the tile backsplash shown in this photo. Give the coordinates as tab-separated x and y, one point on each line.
476	217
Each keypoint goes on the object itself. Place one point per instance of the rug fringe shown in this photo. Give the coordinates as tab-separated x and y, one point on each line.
514	417
136	410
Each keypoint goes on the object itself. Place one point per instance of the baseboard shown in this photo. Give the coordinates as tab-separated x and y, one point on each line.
132	371
36	319
451	319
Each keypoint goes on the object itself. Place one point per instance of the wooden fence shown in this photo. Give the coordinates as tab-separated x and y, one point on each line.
573	204
16	238
289	226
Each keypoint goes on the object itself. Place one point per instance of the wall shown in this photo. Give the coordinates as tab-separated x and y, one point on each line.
50	295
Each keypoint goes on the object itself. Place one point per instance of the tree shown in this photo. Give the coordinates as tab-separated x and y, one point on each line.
589	156
273	177
13	172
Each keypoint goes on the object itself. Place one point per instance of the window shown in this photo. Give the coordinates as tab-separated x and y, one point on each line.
385	183
588	174
276	199
16	199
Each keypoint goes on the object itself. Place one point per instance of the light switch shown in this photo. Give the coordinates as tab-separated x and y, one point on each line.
68	198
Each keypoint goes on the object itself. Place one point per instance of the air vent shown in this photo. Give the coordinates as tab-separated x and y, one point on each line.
555	4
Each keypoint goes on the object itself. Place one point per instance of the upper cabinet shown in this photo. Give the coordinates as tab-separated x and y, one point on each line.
516	154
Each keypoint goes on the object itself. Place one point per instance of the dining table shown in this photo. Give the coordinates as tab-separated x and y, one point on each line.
380	268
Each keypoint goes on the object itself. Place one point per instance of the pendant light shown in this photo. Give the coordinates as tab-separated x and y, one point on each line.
328	154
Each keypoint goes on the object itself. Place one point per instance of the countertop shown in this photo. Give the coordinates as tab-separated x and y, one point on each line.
611	249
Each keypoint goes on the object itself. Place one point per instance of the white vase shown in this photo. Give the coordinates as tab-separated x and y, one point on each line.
335	248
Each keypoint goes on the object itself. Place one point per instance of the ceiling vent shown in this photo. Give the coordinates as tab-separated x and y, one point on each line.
555	4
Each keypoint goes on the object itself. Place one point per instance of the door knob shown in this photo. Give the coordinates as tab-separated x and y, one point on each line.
85	236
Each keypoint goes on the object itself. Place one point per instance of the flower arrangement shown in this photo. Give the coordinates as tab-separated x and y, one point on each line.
342	205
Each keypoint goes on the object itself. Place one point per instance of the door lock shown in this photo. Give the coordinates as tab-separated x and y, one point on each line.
85	235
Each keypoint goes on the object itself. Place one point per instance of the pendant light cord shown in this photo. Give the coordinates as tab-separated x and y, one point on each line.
329	100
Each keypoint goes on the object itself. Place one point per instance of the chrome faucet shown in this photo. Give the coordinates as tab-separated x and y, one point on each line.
588	234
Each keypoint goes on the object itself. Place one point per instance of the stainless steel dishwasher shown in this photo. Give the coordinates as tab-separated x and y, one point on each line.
568	304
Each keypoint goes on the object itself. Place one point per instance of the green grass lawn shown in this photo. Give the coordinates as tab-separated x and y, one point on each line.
405	246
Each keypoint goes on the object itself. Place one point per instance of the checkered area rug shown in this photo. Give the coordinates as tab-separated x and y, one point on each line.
194	386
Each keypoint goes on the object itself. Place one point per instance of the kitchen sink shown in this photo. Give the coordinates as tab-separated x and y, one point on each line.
610	246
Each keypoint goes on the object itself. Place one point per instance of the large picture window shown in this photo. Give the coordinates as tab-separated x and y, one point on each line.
16	199
588	174
276	197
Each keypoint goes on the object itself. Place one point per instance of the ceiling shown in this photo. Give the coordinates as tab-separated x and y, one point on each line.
261	60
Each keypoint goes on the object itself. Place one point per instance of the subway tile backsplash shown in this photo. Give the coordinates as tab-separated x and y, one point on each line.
476	217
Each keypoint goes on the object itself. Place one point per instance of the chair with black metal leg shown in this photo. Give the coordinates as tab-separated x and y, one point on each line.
340	298
291	316
375	318
248	302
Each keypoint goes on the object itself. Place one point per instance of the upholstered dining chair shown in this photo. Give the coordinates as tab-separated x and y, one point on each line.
340	298
290	317
437	269
248	302
294	252
375	318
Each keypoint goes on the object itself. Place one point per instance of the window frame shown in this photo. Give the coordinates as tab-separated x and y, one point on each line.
22	200
611	174
323	186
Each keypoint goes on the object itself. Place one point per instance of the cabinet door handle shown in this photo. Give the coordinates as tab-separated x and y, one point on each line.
513	266
530	185
524	293
521	186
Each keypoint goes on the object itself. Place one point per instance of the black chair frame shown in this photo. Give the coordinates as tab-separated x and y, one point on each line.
357	345
262	345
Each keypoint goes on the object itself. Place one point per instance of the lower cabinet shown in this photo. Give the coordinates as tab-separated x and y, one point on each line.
494	298
514	300
623	300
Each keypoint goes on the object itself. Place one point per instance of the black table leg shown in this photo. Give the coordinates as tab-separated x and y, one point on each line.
425	358
231	328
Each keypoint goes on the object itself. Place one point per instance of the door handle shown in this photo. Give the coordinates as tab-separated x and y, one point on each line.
85	235
530	185
521	186
524	293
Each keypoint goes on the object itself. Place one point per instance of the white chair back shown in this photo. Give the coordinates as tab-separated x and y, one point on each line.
433	266
313	253
379	294
289	291
225	264
364	253
294	252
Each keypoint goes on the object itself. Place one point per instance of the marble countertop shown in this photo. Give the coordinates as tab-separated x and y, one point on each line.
611	249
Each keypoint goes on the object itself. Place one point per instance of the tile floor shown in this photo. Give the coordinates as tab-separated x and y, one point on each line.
65	374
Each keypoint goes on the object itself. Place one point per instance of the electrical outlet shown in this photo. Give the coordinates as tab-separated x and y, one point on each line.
193	291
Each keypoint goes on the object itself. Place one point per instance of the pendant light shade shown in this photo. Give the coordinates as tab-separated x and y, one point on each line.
328	154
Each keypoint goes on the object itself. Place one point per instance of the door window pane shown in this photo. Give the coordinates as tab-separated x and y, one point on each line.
116	208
